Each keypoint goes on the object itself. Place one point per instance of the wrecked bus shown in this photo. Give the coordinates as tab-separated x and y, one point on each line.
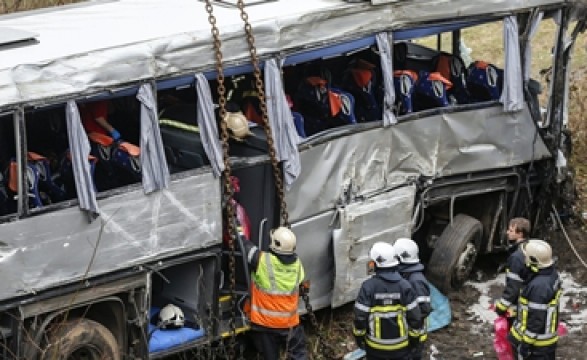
366	122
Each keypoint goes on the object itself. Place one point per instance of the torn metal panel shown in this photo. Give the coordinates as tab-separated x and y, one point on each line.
385	217
57	247
314	239
370	161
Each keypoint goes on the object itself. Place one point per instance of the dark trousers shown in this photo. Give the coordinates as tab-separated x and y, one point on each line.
404	357
417	351
268	343
543	354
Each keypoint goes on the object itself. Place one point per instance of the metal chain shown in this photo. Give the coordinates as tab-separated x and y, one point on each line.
277	175
228	190
325	349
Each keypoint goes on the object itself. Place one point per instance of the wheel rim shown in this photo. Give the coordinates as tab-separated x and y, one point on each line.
464	265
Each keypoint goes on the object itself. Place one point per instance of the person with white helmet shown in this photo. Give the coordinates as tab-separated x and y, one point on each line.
516	272
412	270
388	300
276	278
534	333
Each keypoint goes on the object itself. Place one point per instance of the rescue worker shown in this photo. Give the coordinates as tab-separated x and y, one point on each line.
411	269
534	333
276	278
94	117
386	309
516	271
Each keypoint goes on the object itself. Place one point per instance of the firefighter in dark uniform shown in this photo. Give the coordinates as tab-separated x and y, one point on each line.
387	315
411	269
516	271
534	333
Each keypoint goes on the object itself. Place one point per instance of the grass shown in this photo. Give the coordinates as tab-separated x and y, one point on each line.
10	6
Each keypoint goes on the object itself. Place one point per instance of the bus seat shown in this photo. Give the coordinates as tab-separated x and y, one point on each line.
431	91
484	81
66	178
182	144
453	68
299	124
404	82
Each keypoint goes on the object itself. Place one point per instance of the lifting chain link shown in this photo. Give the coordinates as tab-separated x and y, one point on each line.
228	190
263	105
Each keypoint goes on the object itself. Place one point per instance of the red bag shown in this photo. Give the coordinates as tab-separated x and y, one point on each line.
501	345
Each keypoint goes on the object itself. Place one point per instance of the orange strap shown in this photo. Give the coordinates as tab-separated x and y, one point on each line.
410	73
436	76
13	176
33	156
101	139
362	76
335	103
130	149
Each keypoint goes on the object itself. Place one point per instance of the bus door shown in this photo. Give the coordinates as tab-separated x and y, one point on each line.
384	217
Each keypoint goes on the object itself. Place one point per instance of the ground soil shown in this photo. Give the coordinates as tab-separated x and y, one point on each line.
467	337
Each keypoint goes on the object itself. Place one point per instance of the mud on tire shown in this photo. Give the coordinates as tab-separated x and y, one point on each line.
81	338
454	253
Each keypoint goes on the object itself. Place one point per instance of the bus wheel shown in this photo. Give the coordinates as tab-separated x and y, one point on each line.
81	339
455	253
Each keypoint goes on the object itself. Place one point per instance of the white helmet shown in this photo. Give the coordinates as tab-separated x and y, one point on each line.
170	317
406	250
538	253
283	241
383	254
237	124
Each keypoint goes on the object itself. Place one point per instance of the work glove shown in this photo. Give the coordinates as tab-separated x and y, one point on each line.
499	310
524	351
360	340
115	135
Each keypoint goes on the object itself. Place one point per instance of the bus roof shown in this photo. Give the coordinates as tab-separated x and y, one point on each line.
101	45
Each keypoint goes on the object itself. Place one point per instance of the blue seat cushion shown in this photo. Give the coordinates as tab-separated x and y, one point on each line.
165	339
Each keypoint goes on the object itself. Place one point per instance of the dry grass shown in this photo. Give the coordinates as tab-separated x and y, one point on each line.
10	6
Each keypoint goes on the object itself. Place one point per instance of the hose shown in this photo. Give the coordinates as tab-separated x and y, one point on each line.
567	236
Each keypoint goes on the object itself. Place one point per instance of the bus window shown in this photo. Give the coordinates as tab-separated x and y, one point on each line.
7	153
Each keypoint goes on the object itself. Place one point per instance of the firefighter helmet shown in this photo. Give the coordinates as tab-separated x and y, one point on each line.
383	254
538	253
406	250
171	317
238	126
283	241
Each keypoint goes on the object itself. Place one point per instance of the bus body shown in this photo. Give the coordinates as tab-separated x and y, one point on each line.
90	246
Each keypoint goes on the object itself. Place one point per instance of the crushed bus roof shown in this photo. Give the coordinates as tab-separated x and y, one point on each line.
107	44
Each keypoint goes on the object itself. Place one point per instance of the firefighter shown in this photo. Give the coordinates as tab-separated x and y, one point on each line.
276	278
516	271
386	309
534	333
411	269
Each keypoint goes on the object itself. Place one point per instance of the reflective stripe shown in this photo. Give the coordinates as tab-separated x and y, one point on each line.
412	305
513	276
537	306
362	307
503	303
422	299
520	332
358	332
282	314
251	254
386	345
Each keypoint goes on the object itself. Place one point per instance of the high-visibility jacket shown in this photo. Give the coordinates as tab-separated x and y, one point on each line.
274	293
516	274
387	315
536	322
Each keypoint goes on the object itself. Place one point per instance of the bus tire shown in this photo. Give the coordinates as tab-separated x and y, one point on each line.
81	338
454	253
